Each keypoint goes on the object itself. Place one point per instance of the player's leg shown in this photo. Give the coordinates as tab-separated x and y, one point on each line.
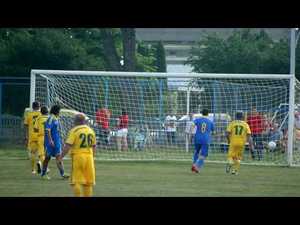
87	190
119	139
76	189
203	156
260	146
237	159
195	157
45	164
89	176
60	166
41	154
33	152
124	141
230	157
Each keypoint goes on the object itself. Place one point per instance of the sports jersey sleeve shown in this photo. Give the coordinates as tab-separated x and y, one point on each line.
71	138
94	139
248	129
229	128
26	118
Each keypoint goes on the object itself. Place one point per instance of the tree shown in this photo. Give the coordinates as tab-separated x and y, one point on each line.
129	51
161	58
242	52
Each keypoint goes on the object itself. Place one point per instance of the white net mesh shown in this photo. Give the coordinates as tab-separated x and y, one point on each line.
150	98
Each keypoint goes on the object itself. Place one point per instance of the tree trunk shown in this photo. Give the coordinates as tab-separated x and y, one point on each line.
111	55
128	37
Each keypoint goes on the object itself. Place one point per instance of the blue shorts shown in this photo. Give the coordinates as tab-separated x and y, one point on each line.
50	151
202	148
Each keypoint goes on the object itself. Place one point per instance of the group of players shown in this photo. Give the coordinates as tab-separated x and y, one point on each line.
238	133
44	140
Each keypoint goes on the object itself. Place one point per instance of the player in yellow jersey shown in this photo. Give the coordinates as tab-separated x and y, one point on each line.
31	136
238	133
39	128
81	141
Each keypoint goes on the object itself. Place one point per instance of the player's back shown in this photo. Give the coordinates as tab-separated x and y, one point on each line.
238	132
82	138
52	124
40	125
30	120
204	127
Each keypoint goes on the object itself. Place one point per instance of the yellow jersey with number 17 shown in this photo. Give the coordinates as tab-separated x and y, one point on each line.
82	138
30	120
238	130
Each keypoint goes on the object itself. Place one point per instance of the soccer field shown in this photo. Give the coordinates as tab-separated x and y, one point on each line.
121	179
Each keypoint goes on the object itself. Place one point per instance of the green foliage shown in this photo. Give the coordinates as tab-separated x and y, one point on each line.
23	49
242	52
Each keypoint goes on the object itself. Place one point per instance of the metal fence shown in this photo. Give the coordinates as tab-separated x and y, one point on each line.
11	130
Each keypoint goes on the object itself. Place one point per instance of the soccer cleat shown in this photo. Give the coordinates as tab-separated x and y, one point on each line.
228	168
39	169
65	176
46	177
33	172
194	169
234	172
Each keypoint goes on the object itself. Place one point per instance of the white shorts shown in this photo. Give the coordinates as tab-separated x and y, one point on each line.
122	132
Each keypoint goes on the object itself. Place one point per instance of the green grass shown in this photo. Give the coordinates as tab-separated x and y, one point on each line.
115	178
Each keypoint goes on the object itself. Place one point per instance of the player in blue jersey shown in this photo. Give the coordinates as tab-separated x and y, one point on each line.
204	128
53	142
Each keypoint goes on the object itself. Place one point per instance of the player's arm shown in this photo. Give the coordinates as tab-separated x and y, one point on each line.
228	133
26	128
249	139
66	149
48	131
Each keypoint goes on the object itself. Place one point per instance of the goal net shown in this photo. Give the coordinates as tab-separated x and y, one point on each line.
160	107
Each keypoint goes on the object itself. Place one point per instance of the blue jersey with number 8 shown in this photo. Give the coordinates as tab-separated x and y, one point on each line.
203	131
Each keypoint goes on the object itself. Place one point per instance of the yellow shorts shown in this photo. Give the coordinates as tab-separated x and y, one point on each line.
83	169
235	152
41	147
32	146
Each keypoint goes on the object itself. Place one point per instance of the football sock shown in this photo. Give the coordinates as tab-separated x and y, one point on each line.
76	190
60	167
32	161
87	190
200	163
45	166
195	156
237	165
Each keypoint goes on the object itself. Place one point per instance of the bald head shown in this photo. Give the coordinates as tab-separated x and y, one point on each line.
79	119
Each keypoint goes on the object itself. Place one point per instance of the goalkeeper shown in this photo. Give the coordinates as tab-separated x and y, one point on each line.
238	132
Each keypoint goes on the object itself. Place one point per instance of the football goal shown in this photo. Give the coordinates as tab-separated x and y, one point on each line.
160	107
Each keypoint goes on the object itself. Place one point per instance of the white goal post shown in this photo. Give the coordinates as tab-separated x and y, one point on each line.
149	98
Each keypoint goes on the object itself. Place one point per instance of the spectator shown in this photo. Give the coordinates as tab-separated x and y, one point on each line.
297	130
276	135
140	138
257	126
170	126
189	130
122	131
102	120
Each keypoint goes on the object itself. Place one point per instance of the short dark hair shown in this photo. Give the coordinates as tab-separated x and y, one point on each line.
239	115
44	110
205	112
36	105
124	112
55	109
